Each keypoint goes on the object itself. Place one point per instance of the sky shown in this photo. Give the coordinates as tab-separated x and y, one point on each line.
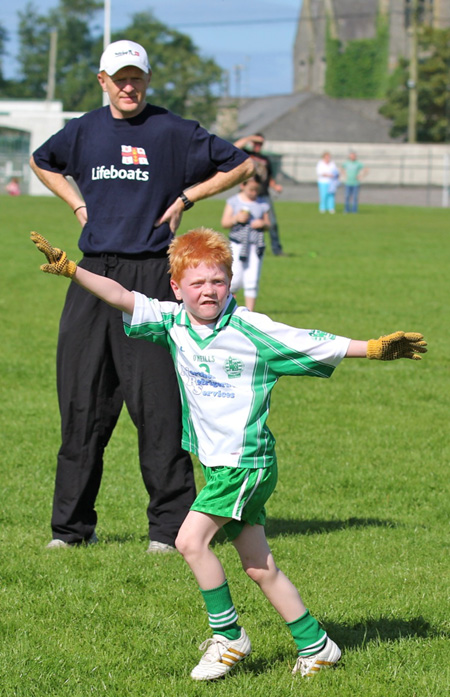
252	41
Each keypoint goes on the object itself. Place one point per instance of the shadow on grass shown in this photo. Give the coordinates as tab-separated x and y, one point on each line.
280	526
383	629
356	636
276	527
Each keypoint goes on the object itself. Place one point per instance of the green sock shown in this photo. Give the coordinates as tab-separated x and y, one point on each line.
308	635
222	615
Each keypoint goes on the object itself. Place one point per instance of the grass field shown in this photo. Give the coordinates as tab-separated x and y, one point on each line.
359	520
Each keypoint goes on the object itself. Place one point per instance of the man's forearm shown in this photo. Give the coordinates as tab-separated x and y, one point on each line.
242	142
221	181
58	184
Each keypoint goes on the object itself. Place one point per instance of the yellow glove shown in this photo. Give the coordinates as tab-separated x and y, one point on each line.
58	263
397	345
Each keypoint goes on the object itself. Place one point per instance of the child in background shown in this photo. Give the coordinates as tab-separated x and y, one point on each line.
225	408
13	187
247	216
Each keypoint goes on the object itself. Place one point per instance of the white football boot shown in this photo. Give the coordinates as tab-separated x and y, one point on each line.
310	665
221	655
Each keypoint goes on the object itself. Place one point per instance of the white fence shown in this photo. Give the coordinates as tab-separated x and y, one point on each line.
388	164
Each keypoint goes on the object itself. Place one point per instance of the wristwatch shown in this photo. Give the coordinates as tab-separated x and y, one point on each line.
187	203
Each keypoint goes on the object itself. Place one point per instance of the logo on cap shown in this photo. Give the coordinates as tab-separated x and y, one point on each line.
119	54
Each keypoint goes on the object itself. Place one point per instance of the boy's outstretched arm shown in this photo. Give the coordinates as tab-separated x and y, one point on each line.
104	288
390	347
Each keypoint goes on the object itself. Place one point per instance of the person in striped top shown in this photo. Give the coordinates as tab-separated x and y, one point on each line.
227	360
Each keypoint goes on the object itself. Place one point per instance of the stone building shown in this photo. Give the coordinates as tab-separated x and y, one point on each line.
348	20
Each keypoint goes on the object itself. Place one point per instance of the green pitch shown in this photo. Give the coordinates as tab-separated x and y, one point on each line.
359	520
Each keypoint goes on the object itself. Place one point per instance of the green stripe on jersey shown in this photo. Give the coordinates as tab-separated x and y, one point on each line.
258	443
156	332
280	356
189	437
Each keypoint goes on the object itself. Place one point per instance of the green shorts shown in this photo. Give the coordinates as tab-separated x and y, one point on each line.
238	493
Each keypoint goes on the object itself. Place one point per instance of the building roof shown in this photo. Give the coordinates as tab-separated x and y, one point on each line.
309	117
257	114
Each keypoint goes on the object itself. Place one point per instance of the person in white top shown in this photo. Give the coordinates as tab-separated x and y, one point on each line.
227	360
327	179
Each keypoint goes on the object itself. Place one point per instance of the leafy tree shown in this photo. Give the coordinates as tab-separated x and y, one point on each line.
433	90
71	20
182	81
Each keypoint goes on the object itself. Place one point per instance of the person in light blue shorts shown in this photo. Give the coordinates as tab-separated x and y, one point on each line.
327	180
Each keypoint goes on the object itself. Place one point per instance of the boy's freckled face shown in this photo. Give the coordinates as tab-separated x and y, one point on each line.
204	290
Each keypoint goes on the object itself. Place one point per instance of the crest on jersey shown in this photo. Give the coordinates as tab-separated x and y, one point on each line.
317	335
133	156
233	367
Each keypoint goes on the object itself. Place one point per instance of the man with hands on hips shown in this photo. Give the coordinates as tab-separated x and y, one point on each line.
138	167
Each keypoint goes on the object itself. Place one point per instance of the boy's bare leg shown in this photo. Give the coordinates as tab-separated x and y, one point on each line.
193	541
259	564
315	649
229	644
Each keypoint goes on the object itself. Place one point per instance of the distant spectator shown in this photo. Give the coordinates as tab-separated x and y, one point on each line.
246	214
327	180
263	169
12	187
353	171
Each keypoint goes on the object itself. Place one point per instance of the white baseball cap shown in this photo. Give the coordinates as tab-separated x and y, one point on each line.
121	54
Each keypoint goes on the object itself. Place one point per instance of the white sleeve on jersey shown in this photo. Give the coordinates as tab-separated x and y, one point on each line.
291	350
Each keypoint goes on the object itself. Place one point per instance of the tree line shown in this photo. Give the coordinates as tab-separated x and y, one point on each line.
433	90
182	80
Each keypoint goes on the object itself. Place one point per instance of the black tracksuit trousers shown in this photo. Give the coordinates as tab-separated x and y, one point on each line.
98	369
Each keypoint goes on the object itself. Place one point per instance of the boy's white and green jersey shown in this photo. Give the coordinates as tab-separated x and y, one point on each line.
226	378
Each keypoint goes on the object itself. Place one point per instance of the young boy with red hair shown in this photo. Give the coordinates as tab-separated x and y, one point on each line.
228	359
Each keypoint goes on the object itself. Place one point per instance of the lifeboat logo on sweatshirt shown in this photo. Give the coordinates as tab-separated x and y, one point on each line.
133	156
